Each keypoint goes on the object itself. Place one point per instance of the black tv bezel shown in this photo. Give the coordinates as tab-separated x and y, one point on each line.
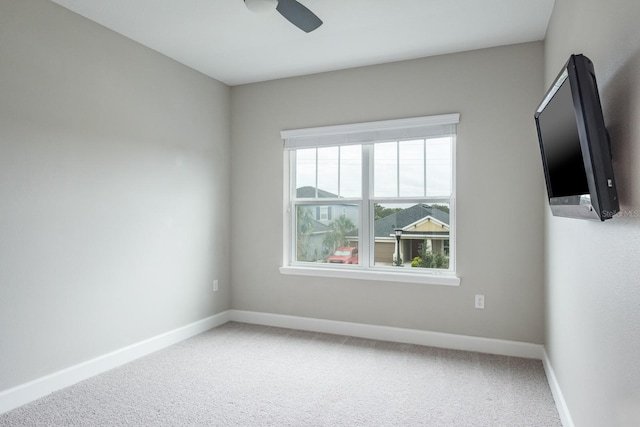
602	201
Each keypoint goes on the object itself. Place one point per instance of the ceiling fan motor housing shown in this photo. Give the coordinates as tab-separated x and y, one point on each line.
294	11
261	6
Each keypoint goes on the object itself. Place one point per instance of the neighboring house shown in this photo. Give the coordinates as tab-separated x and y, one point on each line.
327	213
314	242
315	247
418	223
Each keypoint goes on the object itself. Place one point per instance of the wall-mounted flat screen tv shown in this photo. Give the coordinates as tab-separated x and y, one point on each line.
575	146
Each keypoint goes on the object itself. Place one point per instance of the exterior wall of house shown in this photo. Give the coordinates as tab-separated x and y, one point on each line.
114	192
428	226
592	287
350	212
385	252
495	91
316	249
437	246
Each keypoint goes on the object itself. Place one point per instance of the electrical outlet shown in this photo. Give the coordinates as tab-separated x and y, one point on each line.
480	302
215	285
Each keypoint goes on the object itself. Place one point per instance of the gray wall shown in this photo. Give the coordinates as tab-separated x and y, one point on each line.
500	213
114	192
593	269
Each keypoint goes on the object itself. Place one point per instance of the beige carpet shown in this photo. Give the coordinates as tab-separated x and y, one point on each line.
246	375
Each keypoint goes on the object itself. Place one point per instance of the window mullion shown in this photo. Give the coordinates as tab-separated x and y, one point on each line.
293	180
366	247
424	166
339	168
289	249
398	169
316	190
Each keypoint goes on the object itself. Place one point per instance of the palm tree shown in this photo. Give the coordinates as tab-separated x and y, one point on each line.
337	234
304	227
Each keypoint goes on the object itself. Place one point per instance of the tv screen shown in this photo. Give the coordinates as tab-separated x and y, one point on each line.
575	145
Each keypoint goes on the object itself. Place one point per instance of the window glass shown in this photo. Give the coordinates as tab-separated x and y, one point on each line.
411	167
414	235
328	167
385	169
321	230
351	171
306	170
439	172
329	172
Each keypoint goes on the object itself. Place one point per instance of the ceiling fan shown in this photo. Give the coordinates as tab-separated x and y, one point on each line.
294	11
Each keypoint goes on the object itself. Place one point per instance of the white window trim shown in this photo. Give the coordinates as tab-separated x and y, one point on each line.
358	133
428	278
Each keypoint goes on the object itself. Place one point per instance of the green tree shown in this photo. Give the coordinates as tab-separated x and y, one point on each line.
337	234
304	227
443	208
428	259
380	211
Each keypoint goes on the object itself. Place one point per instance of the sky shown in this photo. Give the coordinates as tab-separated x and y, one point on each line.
400	169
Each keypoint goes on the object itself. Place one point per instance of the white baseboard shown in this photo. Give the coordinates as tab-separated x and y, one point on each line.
558	397
387	333
25	393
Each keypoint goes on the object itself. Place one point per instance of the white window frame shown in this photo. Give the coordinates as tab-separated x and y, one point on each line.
367	133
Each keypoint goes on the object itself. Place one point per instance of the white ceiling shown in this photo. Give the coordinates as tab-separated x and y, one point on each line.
225	40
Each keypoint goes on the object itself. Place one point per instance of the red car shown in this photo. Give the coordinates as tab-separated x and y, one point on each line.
344	255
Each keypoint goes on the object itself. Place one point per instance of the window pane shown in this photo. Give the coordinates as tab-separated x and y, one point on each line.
385	169
351	171
306	173
321	230
328	172
424	242
439	166
411	168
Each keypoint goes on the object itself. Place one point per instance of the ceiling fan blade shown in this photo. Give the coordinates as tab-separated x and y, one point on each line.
298	15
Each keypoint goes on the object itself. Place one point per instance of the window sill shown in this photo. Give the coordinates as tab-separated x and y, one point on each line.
444	279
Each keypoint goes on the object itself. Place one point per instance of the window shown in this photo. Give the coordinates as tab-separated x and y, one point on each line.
372	200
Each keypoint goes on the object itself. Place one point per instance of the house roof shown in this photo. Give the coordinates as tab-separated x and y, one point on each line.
319	227
385	227
309	192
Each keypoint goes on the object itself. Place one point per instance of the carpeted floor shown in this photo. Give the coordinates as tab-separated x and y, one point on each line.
247	375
